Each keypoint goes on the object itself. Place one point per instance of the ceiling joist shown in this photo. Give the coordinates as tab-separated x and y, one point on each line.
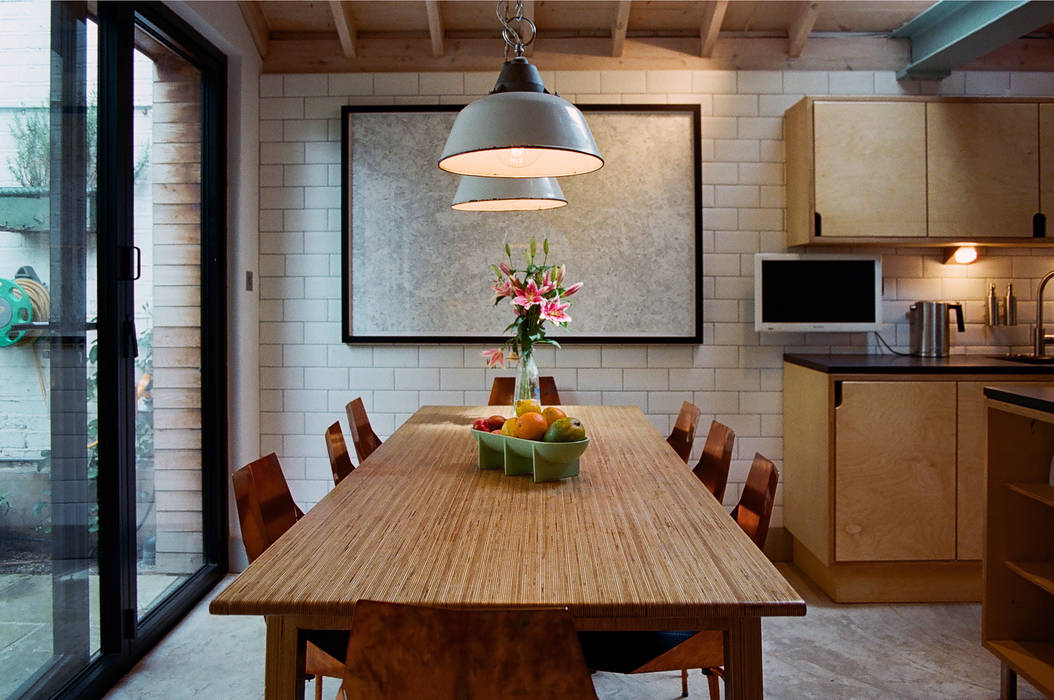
346	30
713	18
798	32
435	28
254	20
619	27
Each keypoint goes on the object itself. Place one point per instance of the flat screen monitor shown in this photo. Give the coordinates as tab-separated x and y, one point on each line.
817	293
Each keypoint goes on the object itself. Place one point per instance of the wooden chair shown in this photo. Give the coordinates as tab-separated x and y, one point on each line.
712	468
503	387
648	652
362	435
265	511
408	652
339	461
683	433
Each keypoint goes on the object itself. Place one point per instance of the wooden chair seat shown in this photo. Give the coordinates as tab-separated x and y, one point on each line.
404	652
683	434
266	510
339	460
362	435
647	652
712	468
502	389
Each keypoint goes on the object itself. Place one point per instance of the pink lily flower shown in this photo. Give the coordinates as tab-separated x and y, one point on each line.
572	289
529	296
502	288
495	357
554	310
547	284
505	268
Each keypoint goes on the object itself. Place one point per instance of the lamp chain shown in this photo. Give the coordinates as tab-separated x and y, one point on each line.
516	39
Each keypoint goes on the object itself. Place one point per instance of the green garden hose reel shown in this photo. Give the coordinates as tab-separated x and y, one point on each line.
15	308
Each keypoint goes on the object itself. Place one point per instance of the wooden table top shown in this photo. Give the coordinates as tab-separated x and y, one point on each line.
634	542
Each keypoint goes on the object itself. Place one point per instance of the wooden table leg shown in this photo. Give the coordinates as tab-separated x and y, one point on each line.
1007	683
743	660
284	678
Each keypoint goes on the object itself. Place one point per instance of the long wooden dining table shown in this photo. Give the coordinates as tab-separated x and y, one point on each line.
635	542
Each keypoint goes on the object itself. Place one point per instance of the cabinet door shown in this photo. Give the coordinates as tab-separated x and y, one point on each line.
870	168
972	445
982	160
1046	164
895	471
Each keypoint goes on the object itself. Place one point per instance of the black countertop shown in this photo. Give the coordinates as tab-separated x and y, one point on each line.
1040	398
896	364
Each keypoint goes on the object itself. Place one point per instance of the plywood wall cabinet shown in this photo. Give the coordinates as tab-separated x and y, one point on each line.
883	482
982	161
918	171
1046	163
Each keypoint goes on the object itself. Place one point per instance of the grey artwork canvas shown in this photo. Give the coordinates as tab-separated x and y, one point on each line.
416	269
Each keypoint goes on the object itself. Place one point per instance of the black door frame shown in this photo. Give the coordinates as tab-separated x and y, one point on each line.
124	638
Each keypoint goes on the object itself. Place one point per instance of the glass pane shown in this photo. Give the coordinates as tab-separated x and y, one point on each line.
167	222
49	598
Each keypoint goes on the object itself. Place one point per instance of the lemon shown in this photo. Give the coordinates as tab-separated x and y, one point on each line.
509	428
527	406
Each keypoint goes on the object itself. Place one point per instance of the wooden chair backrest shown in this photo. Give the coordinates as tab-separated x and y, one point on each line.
265	507
683	433
362	435
339	460
503	387
408	651
755	503
712	468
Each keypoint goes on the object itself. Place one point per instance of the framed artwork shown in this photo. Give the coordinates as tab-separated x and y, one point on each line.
414	270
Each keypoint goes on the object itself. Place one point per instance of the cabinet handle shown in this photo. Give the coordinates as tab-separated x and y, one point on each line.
1039	225
817	224
838	393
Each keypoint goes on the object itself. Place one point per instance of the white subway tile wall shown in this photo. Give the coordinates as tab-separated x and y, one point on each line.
307	375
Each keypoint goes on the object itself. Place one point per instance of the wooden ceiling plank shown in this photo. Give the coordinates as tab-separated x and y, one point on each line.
528	12
345	22
435	28
799	30
254	19
713	17
619	27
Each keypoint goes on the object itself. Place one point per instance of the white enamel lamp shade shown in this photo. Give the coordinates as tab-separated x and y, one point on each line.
507	194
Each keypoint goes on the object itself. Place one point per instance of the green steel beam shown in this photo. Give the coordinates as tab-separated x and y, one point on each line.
950	34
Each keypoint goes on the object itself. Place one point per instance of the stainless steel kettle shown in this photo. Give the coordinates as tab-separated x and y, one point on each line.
929	327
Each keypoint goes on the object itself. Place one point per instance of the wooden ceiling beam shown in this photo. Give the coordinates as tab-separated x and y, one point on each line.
799	30
257	24
619	27
378	54
435	28
342	17
713	18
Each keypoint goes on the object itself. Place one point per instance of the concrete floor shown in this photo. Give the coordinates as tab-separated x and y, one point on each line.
836	651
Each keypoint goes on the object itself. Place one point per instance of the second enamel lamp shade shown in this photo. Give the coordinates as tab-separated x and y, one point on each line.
507	194
520	130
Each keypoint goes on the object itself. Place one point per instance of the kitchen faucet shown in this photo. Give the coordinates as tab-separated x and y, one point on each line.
1040	339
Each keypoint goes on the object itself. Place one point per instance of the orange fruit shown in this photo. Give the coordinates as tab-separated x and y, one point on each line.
509	427
531	426
552	413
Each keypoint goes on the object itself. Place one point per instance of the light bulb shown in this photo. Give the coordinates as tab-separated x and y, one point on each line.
518	157
964	255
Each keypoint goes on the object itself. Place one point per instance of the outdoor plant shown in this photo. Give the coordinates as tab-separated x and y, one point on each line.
537	295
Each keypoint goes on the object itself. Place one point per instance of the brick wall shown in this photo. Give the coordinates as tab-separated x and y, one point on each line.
307	375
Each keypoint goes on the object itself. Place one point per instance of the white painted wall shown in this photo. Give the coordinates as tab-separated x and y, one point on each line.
307	375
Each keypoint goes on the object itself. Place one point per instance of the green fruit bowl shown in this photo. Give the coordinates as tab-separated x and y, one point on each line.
545	461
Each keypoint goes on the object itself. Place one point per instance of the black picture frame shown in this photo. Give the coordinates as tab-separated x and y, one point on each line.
692	335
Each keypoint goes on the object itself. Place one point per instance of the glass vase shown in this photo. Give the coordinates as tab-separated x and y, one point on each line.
527	379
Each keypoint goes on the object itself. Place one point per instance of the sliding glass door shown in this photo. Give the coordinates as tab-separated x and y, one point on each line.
112	461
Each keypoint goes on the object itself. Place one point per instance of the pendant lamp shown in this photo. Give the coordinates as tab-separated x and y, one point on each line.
507	194
520	130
